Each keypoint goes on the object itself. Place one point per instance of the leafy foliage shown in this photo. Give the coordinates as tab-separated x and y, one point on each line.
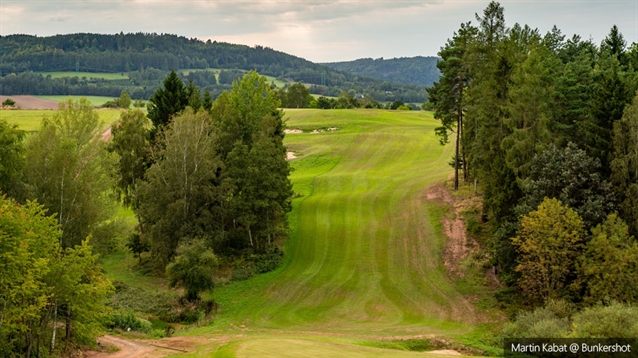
179	196
550	239
11	159
610	262
41	280
67	170
193	268
572	177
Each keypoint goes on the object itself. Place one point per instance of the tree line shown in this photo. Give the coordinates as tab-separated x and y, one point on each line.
124	53
418	70
205	179
548	127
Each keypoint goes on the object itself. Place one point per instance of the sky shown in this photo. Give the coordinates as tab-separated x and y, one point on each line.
319	31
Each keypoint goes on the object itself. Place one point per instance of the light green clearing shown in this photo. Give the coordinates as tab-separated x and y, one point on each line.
31	119
364	254
95	100
270	79
88	75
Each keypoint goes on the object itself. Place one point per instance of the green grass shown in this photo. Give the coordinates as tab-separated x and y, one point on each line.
88	75
364	256
270	79
30	119
95	100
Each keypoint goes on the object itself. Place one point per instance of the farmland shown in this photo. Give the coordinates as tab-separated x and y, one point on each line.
30	120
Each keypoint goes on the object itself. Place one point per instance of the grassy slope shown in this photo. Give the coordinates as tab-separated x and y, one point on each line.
30	119
364	254
89	75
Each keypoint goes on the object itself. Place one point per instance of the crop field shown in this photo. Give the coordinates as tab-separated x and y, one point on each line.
30	119
88	75
363	261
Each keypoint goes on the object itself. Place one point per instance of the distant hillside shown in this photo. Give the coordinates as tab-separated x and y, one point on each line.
420	71
21	55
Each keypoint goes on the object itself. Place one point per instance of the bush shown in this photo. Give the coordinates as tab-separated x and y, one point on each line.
256	264
473	226
162	304
128	321
614	321
8	102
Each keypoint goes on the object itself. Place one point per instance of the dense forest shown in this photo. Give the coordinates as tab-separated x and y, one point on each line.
136	54
419	70
548	128
206	181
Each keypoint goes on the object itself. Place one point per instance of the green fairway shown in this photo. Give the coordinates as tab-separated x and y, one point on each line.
88	75
364	255
30	119
95	100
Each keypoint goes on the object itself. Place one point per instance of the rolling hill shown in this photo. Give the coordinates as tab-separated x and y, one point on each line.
419	70
24	58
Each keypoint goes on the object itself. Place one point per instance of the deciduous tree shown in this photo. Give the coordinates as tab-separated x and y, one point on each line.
67	170
549	242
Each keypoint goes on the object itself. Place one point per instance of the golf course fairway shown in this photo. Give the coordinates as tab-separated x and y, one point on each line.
363	260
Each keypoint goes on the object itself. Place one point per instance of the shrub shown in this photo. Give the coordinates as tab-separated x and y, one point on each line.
614	321
128	321
8	102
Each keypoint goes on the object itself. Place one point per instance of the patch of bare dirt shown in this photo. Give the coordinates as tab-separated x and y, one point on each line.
106	135
290	155
457	245
293	131
146	348
30	102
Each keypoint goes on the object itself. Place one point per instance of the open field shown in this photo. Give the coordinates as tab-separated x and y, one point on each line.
88	75
30	119
363	262
95	100
271	79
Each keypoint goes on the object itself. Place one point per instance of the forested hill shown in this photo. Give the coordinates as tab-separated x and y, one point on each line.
126	53
419	70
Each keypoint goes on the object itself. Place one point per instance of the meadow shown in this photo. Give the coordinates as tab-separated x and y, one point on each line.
88	75
95	100
31	119
363	262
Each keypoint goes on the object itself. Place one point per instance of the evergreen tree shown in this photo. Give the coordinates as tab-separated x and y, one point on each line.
624	166
530	109
446	95
167	102
609	97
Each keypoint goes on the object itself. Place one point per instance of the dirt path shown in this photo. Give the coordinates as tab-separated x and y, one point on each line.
128	349
456	248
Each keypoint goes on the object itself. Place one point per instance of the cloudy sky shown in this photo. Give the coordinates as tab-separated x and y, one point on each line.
320	31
